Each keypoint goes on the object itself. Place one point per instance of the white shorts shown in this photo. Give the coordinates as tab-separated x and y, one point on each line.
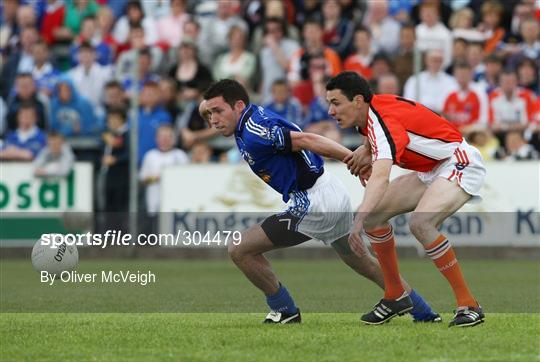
326	212
465	166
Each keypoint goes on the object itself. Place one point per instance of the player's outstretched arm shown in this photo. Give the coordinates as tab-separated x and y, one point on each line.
318	144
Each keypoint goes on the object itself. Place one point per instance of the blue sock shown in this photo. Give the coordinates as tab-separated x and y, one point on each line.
281	301
420	309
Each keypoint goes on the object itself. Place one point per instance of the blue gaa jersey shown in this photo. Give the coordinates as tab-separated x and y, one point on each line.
264	140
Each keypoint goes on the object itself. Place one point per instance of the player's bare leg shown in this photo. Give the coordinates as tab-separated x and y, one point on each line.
248	257
402	195
364	264
442	199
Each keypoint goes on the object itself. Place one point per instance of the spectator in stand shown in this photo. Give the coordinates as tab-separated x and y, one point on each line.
201	153
104	25
26	18
459	53
511	107
337	30
466	107
155	161
493	68
432	34
151	116
274	11
44	74
191	127
52	28
72	114
388	84
89	77
275	55
492	13
55	160
215	28
26	93
189	69
435	85
169	95
384	28
157	8
516	148
90	35
360	61
284	104
8	23
381	65
317	119
239	63
485	142
170	26
145	73
27	140
115	163
528	75
404	59
115	97
313	44
530	45
76	10
314	69
135	17
130	54
20	61
461	23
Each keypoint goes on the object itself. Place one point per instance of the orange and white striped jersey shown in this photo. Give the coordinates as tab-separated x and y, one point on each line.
462	108
408	133
518	109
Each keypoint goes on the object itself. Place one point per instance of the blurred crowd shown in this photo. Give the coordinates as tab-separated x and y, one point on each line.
68	73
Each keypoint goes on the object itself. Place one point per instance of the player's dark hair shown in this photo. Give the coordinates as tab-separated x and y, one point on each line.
351	84
230	90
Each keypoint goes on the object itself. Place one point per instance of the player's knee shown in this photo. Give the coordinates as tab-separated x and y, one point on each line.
420	225
374	221
235	252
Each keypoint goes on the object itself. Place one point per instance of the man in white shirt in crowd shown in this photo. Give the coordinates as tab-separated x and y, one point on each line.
155	161
432	34
435	85
89	77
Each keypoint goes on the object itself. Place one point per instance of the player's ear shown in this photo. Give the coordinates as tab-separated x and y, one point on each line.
358	100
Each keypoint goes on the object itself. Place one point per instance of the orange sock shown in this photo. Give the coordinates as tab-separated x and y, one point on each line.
444	258
382	242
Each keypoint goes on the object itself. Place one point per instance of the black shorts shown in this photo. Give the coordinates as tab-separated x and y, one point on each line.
281	230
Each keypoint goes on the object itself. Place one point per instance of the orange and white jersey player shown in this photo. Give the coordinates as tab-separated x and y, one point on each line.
448	173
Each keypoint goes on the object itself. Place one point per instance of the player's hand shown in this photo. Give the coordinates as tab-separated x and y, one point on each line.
359	161
365	174
355	240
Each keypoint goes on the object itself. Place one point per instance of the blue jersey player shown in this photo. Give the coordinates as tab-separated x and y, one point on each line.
319	207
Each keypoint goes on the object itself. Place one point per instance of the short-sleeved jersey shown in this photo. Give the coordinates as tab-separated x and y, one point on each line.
462	108
408	133
264	140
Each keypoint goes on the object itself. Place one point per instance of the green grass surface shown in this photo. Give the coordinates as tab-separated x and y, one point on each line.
212	313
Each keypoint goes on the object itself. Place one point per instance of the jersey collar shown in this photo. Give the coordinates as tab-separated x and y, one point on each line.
246	113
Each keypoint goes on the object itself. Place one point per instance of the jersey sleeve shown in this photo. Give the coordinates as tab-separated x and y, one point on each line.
387	137
270	136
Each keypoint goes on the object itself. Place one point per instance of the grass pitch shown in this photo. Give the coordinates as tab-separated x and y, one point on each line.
207	311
